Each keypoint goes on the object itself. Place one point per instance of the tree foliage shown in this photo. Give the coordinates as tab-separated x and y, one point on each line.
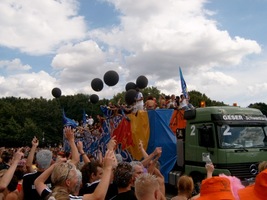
21	119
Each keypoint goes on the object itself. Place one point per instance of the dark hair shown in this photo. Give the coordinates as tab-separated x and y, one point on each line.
6	156
123	174
19	173
88	169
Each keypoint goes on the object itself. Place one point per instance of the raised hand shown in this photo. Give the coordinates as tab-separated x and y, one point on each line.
111	145
35	141
69	133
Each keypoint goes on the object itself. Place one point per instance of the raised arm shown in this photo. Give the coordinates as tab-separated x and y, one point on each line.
82	153
155	171
111	145
210	169
146	161
39	182
141	148
5	180
69	134
29	161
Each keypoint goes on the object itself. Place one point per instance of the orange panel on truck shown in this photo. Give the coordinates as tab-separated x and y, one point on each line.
177	120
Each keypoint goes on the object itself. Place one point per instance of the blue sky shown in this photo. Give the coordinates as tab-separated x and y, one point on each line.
220	46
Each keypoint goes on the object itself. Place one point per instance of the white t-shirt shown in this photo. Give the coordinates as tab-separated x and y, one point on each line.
139	103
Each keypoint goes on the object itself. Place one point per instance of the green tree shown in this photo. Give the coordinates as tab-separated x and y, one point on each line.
196	98
261	106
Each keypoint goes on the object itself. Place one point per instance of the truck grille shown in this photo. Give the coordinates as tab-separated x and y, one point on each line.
242	171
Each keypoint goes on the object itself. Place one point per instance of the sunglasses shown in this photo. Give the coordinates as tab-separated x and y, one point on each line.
69	168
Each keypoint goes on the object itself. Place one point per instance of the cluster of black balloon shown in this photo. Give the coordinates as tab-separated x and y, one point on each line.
141	83
111	78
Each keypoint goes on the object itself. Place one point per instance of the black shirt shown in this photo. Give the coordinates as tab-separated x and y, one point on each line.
89	188
29	190
129	195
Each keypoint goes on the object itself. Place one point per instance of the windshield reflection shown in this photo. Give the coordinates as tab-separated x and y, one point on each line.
242	137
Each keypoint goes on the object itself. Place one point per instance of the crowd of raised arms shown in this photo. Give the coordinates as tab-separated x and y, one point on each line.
39	173
34	173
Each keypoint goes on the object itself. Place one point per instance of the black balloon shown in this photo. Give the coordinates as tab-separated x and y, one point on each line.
111	78
94	98
130	96
130	85
141	82
56	92
97	84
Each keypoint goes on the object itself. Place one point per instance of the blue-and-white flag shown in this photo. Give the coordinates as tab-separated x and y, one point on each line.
67	121
183	84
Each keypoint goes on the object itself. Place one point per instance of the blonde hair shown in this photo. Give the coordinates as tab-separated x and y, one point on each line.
185	185
262	166
61	173
145	185
59	193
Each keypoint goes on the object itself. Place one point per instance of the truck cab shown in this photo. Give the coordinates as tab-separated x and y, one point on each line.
233	138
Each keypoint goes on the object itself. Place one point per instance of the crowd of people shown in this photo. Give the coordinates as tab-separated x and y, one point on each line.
53	174
150	103
164	102
38	173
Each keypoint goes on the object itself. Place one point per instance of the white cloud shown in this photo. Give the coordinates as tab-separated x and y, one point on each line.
28	85
162	35
39	27
14	65
153	39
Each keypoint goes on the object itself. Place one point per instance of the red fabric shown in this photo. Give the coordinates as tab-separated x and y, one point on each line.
123	134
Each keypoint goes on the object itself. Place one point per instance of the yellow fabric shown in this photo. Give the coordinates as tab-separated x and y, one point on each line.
140	131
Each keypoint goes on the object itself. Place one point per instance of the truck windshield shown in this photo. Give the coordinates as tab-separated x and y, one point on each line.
241	136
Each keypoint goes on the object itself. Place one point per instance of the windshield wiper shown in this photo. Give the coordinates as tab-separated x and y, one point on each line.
242	149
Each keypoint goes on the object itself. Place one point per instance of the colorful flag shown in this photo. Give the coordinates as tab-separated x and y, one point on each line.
68	122
183	84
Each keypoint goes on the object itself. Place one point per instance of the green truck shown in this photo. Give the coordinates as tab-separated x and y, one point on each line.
233	138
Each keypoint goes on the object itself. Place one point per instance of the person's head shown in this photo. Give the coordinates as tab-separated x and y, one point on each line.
137	168
91	172
257	191
123	175
43	158
66	175
150	97
59	193
19	173
147	187
216	188
6	157
262	166
185	185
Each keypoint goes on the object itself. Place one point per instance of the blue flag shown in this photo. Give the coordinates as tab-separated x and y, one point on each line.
183	84
84	118
68	122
